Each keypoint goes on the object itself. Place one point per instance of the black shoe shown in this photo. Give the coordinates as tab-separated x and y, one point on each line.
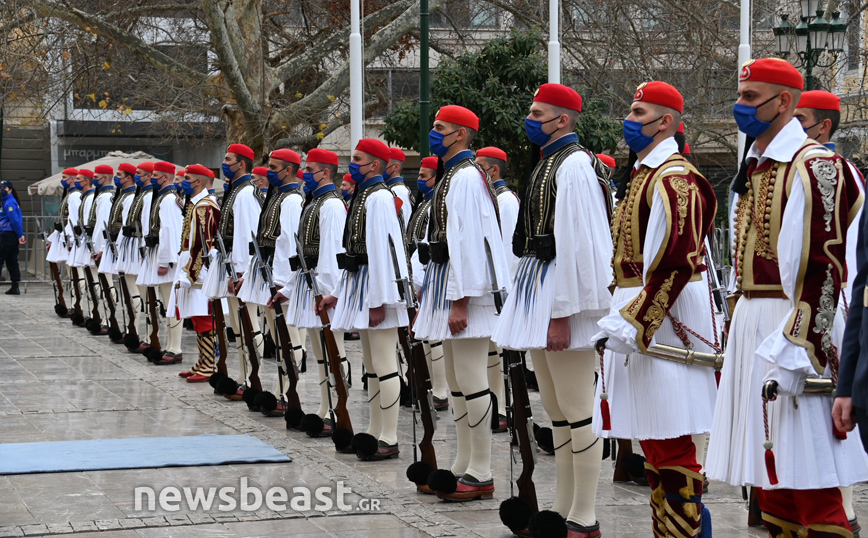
13	290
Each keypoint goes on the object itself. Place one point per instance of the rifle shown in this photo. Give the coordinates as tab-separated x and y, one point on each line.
76	308
418	370
114	329
246	324
332	357
132	333
91	284
152	317
216	312
518	415
285	348
55	273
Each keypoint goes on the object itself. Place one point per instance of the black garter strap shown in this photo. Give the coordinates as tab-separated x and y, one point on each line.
560	423
388	377
457	395
581	423
437	344
476	395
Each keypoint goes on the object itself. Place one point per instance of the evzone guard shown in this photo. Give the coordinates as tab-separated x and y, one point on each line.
320	231
395	181
240	210
60	239
457	306
795	200
162	247
559	293
366	299
493	161
662	295
819	112
417	233
275	238
81	258
201	218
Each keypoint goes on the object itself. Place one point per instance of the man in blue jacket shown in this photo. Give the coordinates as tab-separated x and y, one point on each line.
11	233
851	401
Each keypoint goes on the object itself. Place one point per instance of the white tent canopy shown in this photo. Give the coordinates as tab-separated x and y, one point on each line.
51	186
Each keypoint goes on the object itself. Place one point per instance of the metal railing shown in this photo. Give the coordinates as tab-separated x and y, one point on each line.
31	255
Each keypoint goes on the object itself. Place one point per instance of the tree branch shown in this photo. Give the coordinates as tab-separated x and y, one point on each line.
228	62
327	46
24	19
173	68
149	10
318	100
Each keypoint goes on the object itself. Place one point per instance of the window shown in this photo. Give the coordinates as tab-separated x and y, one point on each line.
394	85
465	15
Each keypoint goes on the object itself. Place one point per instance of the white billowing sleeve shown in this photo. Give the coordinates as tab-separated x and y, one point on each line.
382	222
470	222
415	264
407	206
125	211
853	240
246	210
332	216
508	203
583	240
776	348
171	222
73	205
145	217
290	215
103	209
622	333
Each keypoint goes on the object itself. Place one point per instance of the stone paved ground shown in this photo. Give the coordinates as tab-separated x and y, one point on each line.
58	382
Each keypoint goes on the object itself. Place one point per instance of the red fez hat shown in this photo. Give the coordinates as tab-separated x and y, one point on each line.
608	160
260	171
299	174
322	156
429	162
493	152
103	169
773	71
820	100
128	168
147	166
85	172
349	177
459	116
165	167
396	154
199	170
286	155
374	148
241	149
70	172
680	128
558	95
660	93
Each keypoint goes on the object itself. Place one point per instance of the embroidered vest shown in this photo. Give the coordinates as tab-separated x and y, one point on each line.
269	220
355	228
115	221
439	213
227	217
309	231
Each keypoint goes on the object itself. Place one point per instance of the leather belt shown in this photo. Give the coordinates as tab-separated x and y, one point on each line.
764	294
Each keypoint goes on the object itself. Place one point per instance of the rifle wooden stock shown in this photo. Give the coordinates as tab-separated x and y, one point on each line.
91	286
522	428
131	309
334	363
76	288
220	328
55	272
107	291
418	370
250	342
285	349
152	316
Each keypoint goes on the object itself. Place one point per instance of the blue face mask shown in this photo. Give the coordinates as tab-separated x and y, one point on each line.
186	187
226	186
346	194
748	123
77	184
273	178
423	187
138	180
305	189
227	171
635	138
435	142
310	182
117	182
356	171
155	183
535	132
65	183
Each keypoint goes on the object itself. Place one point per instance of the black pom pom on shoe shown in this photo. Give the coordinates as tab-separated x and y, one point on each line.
515	513
547	524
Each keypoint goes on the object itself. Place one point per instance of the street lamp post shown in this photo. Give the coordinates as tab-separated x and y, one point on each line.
813	36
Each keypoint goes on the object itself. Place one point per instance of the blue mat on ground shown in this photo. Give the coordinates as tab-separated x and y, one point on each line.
136	453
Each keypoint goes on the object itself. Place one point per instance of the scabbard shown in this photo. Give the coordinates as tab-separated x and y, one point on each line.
686	356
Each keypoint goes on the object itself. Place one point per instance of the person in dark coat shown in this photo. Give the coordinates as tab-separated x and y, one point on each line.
11	233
